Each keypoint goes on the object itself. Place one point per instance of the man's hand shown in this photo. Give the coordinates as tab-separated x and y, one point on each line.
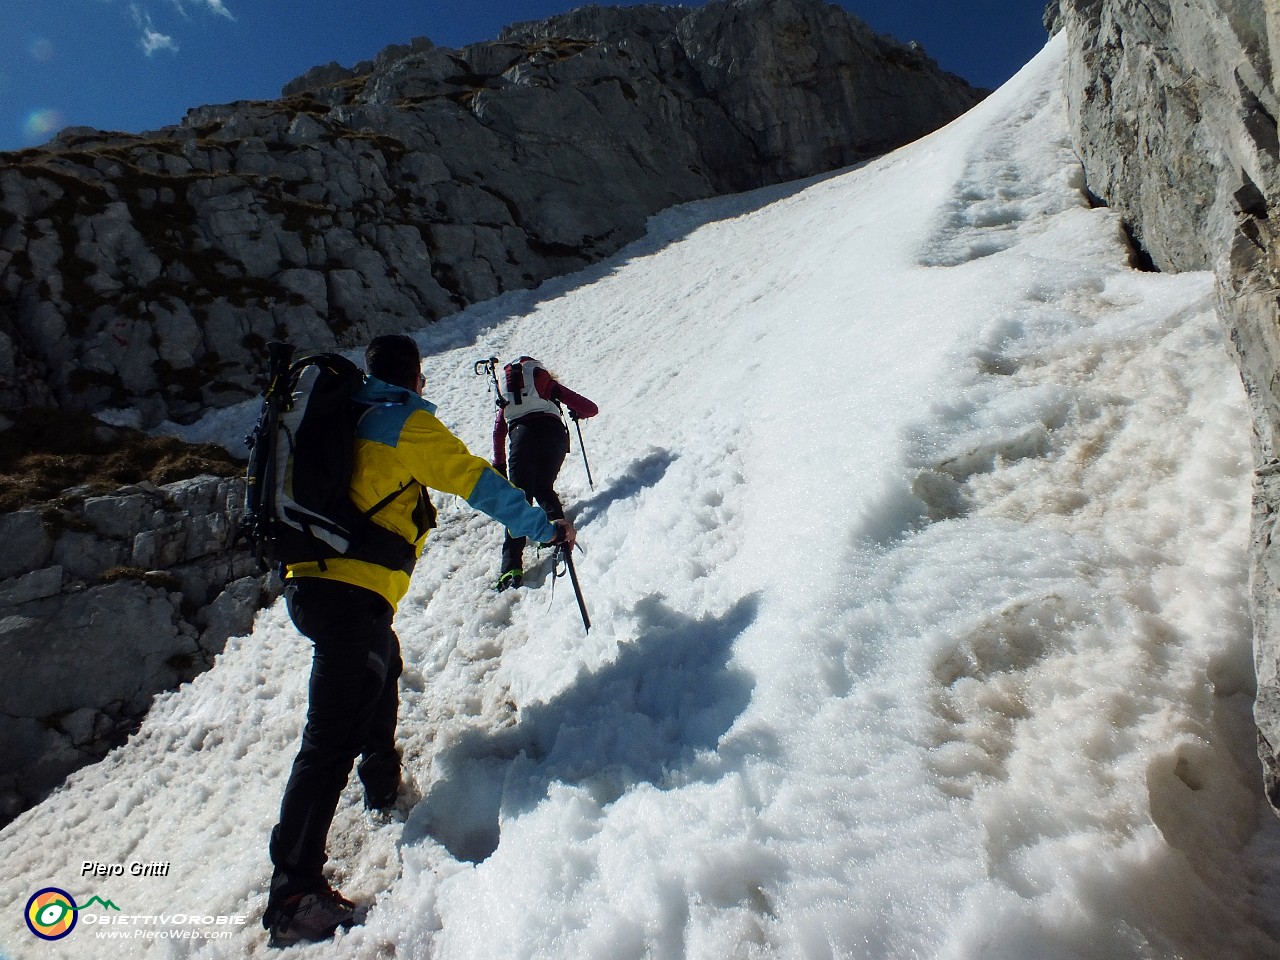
565	536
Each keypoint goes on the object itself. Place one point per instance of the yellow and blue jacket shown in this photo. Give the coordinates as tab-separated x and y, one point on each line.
400	445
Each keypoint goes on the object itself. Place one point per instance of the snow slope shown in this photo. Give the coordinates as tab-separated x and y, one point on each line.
916	564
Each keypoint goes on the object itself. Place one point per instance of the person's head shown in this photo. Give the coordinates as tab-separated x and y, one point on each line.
525	358
394	359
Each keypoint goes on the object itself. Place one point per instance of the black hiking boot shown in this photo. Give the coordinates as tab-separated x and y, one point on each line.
310	917
381	801
387	808
382	776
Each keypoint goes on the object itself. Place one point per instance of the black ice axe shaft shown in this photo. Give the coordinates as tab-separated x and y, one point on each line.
577	590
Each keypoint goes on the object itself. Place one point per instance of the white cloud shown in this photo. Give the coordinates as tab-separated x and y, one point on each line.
219	8
152	39
214	6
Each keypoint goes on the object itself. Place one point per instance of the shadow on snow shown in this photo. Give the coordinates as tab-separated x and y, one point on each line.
644	718
643	473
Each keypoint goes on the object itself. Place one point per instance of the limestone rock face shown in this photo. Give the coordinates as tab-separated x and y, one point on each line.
150	271
1175	110
106	601
1175	107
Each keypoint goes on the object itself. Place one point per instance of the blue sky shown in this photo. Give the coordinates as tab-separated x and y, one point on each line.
135	65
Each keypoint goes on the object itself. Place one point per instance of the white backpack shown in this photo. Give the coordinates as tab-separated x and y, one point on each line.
519	392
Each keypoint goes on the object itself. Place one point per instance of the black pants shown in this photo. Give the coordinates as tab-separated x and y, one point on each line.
353	702
537	446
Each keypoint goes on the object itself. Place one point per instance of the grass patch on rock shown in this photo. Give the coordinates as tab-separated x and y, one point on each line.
44	452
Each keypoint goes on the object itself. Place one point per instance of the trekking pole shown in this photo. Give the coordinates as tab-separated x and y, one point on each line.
581	446
567	554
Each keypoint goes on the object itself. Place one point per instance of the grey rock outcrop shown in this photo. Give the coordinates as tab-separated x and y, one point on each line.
1175	108
106	601
150	271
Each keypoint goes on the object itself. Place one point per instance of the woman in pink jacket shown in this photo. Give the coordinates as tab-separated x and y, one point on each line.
530	442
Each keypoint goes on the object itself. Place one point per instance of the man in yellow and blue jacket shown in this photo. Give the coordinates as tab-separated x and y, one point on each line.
345	607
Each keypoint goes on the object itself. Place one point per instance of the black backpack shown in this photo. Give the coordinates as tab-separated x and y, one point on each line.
297	493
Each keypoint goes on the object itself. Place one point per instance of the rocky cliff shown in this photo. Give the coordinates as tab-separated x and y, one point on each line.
1175	107
148	272
105	601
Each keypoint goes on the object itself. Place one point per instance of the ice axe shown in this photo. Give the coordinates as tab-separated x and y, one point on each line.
481	367
566	554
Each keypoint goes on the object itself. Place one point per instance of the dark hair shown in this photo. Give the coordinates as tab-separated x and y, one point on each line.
393	358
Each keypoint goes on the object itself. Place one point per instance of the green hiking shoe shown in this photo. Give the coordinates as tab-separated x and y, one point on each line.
512	578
